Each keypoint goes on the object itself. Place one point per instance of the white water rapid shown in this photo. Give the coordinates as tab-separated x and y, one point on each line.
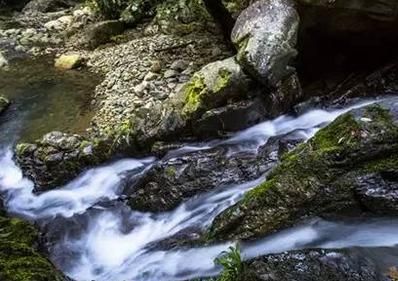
119	244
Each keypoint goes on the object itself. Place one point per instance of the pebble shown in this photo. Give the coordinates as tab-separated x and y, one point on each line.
179	65
170	73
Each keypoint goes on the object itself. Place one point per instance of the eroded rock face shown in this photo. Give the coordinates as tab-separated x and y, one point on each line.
265	36
324	175
314	265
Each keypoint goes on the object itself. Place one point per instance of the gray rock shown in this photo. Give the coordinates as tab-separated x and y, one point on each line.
150	76
100	33
45	6
170	73
179	65
265	35
315	265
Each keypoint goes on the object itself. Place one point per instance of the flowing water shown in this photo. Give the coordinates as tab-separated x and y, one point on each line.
99	238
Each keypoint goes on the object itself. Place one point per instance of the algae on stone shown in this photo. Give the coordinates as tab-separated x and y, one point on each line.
319	176
19	258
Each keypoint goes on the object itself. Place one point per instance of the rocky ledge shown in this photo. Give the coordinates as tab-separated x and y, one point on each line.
349	166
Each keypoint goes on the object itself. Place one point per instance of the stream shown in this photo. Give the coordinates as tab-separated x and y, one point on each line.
97	237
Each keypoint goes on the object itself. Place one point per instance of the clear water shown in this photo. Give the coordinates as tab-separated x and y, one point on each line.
44	99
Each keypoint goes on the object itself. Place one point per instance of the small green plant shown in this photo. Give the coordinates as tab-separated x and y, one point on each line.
232	264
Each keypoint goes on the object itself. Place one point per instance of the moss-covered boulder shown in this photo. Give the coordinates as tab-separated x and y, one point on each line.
20	259
324	175
213	86
4	103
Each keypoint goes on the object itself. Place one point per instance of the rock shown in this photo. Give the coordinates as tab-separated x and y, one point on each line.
170	73
183	17
156	66
213	86
173	181
3	61
68	61
20	258
45	6
265	36
378	192
58	157
179	65
314	265
230	118
328	174
4	103
59	24
100	33
150	76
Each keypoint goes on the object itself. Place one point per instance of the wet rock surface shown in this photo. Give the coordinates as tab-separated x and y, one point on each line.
320	176
173	181
314	265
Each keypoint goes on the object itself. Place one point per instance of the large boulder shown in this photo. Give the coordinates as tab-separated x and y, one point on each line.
349	166
19	255
265	36
213	86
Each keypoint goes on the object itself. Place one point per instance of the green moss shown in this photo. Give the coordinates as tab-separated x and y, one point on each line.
21	148
260	190
193	92
344	131
242	45
223	80
383	164
170	171
19	259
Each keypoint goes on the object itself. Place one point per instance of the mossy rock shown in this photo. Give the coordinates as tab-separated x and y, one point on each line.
19	257
324	175
213	86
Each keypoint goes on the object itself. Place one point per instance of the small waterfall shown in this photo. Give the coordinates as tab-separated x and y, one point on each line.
118	244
